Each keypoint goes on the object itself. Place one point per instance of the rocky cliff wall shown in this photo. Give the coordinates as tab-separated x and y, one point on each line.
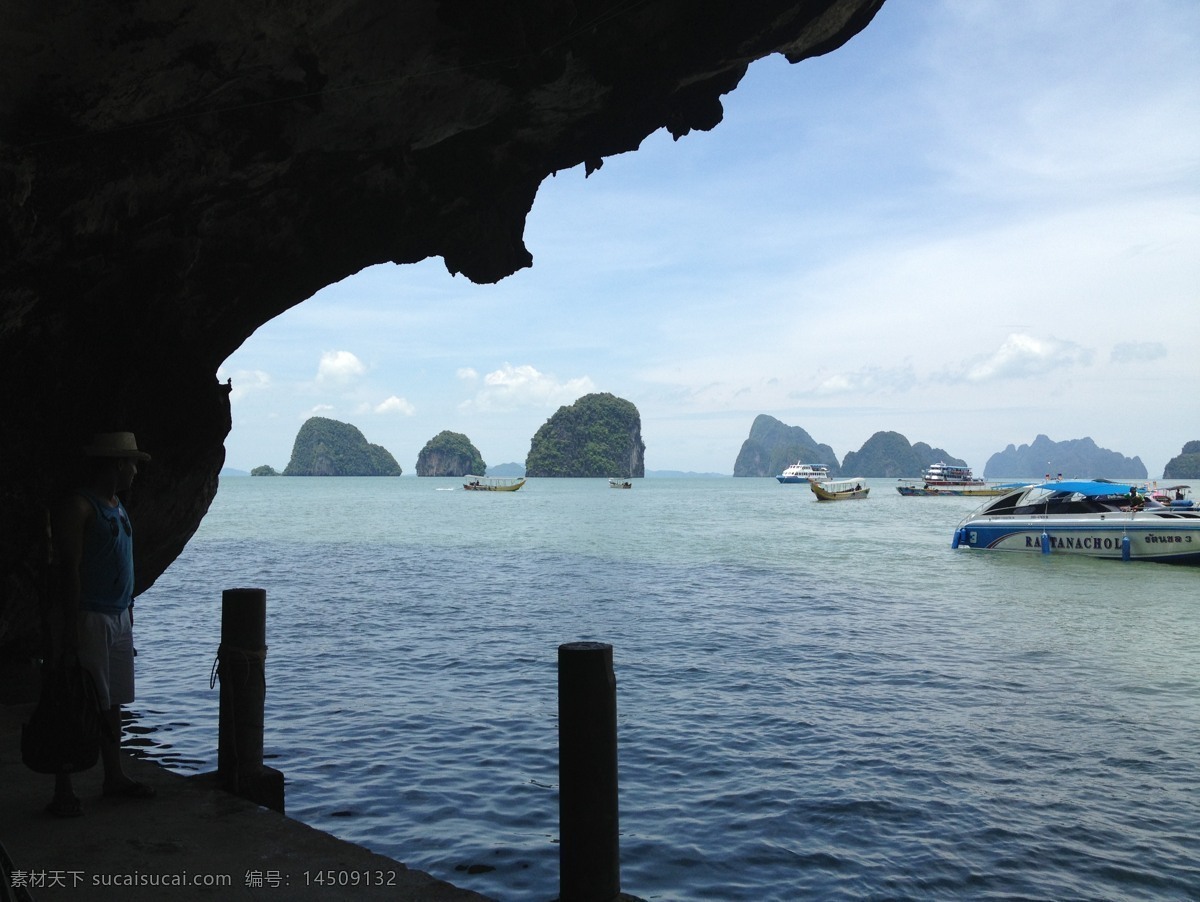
176	174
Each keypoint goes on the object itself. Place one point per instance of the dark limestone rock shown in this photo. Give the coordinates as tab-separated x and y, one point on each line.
450	454
598	435
177	174
889	454
1079	457
773	445
1185	465
326	447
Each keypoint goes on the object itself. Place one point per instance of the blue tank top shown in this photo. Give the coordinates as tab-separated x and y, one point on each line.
106	571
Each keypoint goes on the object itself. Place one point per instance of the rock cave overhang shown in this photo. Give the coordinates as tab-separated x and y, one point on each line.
180	176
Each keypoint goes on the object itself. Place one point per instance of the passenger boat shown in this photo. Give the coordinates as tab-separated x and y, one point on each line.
802	472
620	484
1093	518
840	489
940	474
492	483
979	491
950	479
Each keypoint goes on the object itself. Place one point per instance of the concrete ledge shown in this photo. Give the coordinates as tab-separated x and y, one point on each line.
192	838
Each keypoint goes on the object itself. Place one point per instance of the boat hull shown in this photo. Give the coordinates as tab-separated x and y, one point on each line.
1135	537
973	491
480	485
833	492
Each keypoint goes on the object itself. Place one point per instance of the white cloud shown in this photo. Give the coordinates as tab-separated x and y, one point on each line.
339	367
321	409
395	404
512	387
1022	356
866	381
244	382
467	374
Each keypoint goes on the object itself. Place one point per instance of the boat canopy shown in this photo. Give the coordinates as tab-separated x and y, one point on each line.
1089	488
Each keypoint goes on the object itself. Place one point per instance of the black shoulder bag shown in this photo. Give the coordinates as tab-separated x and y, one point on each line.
63	734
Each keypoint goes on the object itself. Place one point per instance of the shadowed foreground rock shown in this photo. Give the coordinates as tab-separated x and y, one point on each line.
177	174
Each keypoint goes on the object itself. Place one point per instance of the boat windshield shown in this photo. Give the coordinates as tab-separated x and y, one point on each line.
1062	498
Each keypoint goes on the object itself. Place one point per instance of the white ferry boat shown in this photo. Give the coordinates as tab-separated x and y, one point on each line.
802	472
939	474
949	479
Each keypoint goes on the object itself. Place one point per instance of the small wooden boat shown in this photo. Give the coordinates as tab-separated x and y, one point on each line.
492	483
840	489
620	484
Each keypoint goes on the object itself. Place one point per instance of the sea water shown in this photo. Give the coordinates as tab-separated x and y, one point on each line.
815	700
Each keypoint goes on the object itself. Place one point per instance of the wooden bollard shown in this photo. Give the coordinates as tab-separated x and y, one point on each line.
241	666
589	847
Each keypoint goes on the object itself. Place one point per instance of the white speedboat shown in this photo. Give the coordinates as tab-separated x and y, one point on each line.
802	472
1092	518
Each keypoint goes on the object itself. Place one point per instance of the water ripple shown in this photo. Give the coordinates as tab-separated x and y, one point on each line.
861	719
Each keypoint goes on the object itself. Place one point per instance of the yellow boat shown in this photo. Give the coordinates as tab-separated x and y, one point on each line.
839	489
492	483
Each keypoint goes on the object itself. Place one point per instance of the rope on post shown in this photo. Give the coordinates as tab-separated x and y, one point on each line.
230	703
244	654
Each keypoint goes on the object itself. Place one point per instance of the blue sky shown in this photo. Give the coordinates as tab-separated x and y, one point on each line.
976	222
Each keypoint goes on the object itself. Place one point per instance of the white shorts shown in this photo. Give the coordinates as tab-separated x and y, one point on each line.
106	650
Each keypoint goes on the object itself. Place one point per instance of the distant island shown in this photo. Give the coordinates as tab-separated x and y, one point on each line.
508	469
773	445
1077	457
1186	465
325	447
450	454
889	454
598	435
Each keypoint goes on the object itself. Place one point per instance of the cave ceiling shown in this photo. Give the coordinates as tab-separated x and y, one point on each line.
177	174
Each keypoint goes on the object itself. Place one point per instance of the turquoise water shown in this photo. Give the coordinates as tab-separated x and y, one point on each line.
814	700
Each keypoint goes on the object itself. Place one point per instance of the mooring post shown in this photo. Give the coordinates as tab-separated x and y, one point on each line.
589	847
241	666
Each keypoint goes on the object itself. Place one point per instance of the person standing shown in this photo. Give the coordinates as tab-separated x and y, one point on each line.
93	546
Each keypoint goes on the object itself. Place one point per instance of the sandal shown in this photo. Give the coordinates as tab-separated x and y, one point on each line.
131	790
